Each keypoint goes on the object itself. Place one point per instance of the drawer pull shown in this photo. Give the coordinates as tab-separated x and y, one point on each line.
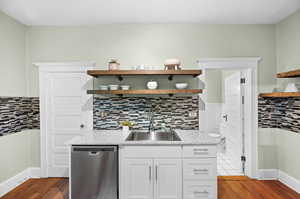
201	192
200	170
200	153
200	150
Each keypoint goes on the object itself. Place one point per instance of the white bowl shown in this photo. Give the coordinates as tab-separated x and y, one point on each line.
103	87
181	85
113	87
125	87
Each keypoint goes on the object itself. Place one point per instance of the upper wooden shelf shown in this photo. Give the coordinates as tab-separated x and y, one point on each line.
280	94
120	73
289	74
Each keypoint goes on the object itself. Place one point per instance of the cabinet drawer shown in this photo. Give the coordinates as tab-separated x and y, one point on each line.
200	190
200	169
199	151
151	151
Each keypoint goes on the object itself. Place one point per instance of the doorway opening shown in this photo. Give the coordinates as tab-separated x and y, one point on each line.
228	110
225	107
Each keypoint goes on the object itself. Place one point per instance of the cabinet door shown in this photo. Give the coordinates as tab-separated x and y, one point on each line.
168	179
138	178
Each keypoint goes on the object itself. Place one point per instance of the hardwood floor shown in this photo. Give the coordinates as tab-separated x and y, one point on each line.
228	187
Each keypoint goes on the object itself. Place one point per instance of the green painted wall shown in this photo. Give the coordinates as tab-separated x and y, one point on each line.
15	153
151	45
12	57
288	58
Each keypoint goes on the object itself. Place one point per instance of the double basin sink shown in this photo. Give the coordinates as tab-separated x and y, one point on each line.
153	136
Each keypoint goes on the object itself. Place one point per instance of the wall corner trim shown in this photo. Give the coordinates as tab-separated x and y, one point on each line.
275	174
13	182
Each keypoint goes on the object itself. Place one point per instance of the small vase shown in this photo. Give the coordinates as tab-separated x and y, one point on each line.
125	129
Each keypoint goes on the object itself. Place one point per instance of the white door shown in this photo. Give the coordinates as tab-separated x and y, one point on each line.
138	180
69	114
168	179
231	126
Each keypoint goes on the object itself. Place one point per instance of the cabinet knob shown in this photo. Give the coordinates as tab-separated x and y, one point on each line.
82	126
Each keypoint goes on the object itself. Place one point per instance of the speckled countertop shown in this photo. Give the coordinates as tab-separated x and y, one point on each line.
112	137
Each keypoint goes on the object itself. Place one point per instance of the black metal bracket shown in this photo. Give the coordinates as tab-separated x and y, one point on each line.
120	95
120	78
171	95
170	78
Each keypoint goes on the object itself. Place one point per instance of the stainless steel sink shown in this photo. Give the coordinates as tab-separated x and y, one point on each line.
153	136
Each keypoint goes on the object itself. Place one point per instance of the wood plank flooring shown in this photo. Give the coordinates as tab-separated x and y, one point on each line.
228	188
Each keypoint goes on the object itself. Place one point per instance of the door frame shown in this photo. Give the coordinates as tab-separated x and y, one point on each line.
44	70
250	65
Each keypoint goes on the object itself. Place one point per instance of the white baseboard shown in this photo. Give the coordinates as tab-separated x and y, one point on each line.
268	174
289	181
35	172
275	174
18	179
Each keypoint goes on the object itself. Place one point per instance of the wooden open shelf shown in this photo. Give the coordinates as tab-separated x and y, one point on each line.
289	74
280	94
146	92
120	73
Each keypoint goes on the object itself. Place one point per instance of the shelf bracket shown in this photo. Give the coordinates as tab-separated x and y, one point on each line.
120	78
195	76
171	95
170	78
120	95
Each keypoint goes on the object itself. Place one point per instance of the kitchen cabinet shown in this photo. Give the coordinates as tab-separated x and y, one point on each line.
168	179
168	172
153	178
138	178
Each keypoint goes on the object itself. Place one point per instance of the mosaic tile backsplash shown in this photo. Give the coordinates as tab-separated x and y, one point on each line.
171	112
18	113
283	113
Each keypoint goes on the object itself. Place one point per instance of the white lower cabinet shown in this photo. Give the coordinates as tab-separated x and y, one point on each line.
200	189
138	179
152	179
168	179
167	173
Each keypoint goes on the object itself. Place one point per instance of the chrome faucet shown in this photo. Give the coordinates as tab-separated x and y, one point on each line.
151	119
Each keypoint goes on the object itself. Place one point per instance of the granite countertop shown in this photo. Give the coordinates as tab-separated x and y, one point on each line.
117	137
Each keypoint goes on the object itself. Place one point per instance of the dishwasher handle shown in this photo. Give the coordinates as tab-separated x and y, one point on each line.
93	150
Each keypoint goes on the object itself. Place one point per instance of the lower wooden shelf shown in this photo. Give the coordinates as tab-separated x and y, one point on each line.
280	94
146	92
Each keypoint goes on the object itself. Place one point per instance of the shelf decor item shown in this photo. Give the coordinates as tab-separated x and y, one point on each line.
113	87
181	85
292	87
103	87
113	64
125	87
126	125
172	64
152	85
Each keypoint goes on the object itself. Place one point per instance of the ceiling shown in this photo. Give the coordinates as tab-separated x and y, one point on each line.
91	12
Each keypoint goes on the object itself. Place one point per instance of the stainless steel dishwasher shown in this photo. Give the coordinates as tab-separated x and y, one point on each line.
94	172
